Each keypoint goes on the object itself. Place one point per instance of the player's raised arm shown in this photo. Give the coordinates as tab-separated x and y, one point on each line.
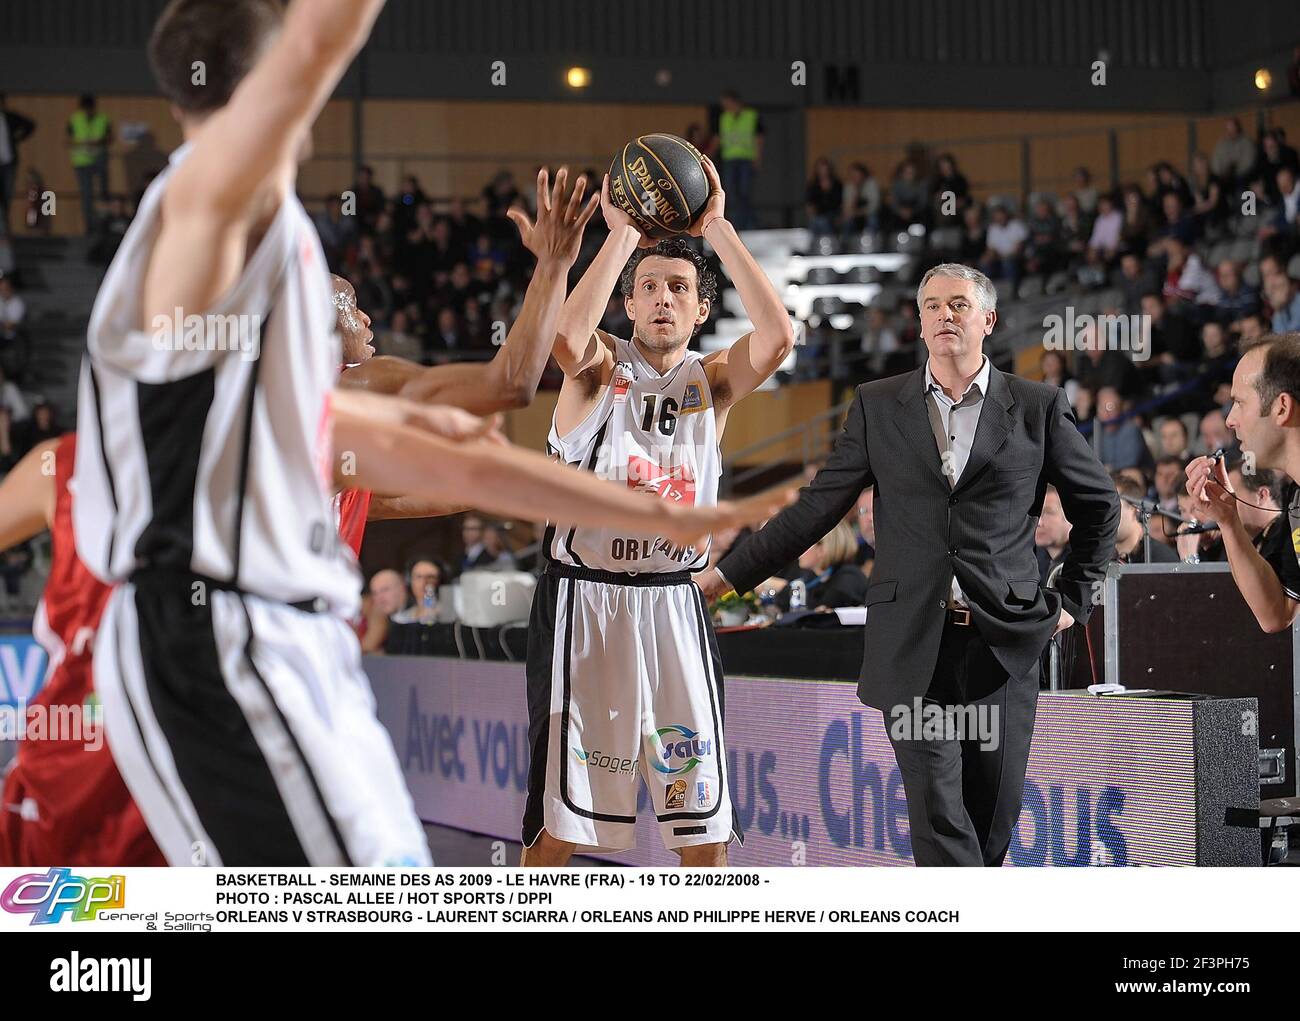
245	152
577	345
513	482
510	379
755	356
393	508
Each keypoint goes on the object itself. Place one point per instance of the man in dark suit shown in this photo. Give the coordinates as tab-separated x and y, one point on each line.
960	455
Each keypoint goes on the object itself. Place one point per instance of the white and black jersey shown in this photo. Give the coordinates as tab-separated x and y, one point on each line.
625	681
234	701
204	443
657	434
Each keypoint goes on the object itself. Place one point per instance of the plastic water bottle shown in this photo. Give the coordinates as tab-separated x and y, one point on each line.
798	594
428	602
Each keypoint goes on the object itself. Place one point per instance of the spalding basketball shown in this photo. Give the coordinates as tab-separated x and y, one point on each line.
659	181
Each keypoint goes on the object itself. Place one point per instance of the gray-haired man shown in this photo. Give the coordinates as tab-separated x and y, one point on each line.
960	455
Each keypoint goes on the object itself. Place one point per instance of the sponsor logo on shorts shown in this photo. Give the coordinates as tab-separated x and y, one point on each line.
47	898
675	794
702	794
609	763
681	749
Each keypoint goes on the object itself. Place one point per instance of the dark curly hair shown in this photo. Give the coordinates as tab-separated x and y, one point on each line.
706	281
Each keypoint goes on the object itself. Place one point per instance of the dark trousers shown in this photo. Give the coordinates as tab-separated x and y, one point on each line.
738	183
92	181
8	174
964	790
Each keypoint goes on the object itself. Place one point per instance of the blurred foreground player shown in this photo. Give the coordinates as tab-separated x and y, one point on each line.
624	675
234	700
63	802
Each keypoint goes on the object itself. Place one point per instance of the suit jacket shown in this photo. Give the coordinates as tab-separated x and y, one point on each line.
981	530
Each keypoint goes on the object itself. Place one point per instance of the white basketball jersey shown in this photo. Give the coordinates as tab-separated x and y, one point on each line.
204	442
656	434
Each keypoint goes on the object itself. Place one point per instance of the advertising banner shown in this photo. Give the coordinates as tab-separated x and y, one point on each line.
812	773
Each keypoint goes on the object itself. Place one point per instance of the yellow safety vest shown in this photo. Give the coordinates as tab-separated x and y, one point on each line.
85	132
738	134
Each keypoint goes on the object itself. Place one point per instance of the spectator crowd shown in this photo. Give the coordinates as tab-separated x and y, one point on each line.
1214	244
1205	255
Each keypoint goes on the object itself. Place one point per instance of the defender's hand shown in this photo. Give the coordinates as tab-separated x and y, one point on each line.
561	218
453	424
691	526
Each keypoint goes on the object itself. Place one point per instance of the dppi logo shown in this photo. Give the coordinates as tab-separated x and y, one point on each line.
682	749
47	898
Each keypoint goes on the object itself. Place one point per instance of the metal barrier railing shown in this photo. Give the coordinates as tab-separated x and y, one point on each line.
812	439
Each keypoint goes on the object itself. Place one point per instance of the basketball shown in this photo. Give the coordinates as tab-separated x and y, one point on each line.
659	181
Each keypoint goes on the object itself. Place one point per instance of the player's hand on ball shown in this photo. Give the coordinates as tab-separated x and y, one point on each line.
711	584
715	207
561	218
1208	485
616	218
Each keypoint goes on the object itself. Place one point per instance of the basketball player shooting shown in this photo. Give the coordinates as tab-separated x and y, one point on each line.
234	701
624	676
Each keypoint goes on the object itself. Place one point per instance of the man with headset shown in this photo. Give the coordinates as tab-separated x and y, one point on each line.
1265	418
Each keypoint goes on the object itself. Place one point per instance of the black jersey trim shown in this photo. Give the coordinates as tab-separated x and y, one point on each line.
171	419
570	588
589	466
245	454
103	456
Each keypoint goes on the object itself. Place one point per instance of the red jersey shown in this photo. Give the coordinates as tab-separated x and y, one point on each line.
64	802
350	508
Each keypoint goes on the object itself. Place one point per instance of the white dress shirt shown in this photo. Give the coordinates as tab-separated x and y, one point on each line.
954	424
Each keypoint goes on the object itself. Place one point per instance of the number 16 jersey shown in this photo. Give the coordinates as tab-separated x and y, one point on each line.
656	434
